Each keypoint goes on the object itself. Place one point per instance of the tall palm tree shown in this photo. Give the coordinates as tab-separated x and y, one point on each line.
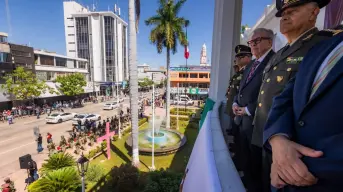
167	32
65	179
57	161
134	14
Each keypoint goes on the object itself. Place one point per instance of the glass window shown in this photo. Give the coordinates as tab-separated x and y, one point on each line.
82	37
50	75
61	62
194	75
203	75
46	60
5	57
82	64
3	39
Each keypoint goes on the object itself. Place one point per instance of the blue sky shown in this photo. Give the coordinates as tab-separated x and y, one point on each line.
39	23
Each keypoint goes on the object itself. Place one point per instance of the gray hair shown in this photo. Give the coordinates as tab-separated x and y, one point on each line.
268	32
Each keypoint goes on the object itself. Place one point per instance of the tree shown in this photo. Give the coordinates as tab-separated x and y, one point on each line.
243	28
134	15
72	84
167	32
57	161
65	179
24	85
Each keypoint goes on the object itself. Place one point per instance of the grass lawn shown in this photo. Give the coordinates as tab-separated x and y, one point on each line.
175	162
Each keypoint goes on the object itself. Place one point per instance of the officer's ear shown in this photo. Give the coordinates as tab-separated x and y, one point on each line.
315	11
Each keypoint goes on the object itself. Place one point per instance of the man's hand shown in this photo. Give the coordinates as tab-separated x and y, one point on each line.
241	111
235	109
287	162
275	179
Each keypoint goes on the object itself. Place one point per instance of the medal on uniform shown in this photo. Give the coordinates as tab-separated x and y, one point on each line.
279	79
294	60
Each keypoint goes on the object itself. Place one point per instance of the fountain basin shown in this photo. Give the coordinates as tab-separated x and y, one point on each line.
166	142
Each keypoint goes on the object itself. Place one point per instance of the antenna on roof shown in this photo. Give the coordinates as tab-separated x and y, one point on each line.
115	8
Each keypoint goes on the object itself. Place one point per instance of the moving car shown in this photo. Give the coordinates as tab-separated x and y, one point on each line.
83	117
59	117
110	106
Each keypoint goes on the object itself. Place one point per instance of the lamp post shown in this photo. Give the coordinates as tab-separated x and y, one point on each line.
82	166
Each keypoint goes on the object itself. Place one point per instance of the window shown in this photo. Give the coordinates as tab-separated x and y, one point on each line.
71	50
183	75
71	42
203	75
50	75
110	47
5	57
71	34
75	65
25	65
69	18
3	39
70	26
82	37
203	85
21	53
46	60
82	64
194	75
61	62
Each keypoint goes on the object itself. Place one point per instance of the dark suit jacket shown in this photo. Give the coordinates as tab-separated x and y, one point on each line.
316	122
280	69
248	92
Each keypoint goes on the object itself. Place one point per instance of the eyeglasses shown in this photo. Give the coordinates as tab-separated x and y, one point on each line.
257	40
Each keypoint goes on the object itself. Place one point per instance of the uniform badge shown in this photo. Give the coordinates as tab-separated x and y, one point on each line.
294	60
239	77
279	79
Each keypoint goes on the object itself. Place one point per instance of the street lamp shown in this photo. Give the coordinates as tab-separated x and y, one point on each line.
82	166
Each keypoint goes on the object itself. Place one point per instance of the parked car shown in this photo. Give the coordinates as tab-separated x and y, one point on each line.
185	101
59	117
110	106
83	117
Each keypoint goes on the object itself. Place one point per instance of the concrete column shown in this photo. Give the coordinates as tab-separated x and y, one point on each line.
226	35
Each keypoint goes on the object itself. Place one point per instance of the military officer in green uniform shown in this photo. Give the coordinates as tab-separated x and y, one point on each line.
297	24
242	59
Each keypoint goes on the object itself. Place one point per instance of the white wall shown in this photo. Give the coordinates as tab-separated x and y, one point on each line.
120	51
71	7
96	41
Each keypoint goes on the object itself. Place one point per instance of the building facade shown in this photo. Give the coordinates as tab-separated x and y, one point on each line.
193	81
5	56
22	56
157	75
99	37
203	56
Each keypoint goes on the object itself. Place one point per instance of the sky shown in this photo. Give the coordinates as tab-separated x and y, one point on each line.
40	24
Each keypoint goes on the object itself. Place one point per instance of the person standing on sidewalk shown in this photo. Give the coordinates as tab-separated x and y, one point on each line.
8	186
39	143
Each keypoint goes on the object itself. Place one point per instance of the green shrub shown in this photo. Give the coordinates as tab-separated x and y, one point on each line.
125	178
173	118
98	149
95	172
163	180
57	161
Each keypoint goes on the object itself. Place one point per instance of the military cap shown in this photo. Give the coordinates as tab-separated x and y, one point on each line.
282	5
242	50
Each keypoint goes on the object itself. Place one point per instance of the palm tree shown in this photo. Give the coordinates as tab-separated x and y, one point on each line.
65	179
134	14
57	161
167	32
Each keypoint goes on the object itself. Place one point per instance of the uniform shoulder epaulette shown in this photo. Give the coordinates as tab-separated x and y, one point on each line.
329	32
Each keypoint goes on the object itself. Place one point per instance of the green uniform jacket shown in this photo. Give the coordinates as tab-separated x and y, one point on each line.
280	69
232	91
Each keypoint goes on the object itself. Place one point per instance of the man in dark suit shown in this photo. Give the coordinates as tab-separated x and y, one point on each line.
305	129
245	104
298	26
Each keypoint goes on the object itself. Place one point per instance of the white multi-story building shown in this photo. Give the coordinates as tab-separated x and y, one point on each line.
101	38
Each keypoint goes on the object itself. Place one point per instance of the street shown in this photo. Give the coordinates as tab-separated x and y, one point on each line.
18	139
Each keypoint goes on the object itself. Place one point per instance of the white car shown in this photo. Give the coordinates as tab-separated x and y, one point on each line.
110	106
184	101
59	117
83	117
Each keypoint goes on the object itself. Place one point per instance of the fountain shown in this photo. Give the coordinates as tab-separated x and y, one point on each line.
166	140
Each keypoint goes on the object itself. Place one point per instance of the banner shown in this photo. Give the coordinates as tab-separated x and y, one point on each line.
201	173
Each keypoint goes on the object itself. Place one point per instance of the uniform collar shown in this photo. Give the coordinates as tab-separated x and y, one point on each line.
300	36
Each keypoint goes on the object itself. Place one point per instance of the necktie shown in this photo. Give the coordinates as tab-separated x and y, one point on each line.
336	56
252	70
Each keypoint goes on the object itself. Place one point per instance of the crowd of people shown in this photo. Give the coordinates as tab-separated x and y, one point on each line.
284	106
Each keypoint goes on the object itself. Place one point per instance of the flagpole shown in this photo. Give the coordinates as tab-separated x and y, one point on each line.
178	100
186	69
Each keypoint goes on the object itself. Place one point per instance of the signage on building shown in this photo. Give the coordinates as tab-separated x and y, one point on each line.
192	68
203	91
193	91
